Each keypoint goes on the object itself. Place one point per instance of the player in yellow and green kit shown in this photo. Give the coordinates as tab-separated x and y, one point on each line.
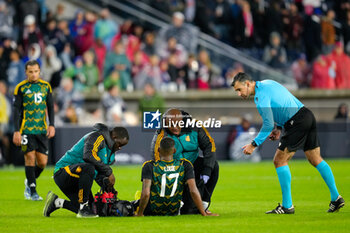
163	182
32	97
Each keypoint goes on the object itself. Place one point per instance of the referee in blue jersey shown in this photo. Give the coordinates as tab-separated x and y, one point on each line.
279	110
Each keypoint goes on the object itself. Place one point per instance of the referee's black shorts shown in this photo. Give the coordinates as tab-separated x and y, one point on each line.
300	132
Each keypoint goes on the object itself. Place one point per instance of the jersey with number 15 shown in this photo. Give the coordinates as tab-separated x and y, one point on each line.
32	100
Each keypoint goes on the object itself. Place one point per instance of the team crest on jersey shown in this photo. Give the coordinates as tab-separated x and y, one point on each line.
43	88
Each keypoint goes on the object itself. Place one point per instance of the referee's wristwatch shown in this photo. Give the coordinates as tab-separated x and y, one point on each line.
254	144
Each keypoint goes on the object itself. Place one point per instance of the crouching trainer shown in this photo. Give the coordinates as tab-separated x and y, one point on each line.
88	160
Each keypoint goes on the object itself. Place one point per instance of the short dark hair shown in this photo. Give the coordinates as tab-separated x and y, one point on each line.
240	77
32	63
121	133
166	144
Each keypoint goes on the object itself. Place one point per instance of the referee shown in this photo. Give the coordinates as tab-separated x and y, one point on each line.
279	110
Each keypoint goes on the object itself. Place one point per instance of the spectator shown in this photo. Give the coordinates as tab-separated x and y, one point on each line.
51	66
77	23
76	74
189	72
190	10
342	64
67	96
274	54
243	134
346	32
66	56
4	111
100	51
312	35
231	72
151	100
301	71
43	11
322	74
125	30
113	106
85	37
222	19
138	30
65	36
5	51
184	34
5	116
293	30
34	53
140	61
328	32
31	34
6	22
341	8
148	46
173	48
204	70
150	74
105	28
70	115
244	29
203	17
60	12
90	70
112	97
54	36
274	20
172	68
248	20
119	61
342	112
177	82
15	71
133	46
113	79
166	79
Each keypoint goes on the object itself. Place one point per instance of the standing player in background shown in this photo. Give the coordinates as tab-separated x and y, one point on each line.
163	183
277	105
32	97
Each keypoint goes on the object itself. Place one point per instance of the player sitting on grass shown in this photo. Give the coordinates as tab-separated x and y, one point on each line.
163	183
189	141
277	105
88	159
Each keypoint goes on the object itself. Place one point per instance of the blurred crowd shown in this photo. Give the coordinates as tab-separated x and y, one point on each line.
307	39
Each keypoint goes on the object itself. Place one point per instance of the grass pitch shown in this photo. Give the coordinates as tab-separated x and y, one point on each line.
243	194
